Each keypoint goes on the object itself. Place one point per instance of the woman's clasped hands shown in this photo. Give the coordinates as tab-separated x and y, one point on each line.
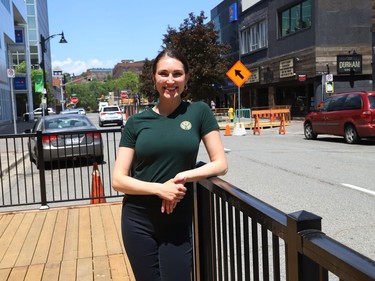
173	191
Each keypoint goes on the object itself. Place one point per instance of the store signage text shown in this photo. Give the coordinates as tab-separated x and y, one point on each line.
348	64
286	68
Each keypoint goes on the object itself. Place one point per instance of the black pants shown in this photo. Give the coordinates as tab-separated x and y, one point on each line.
158	245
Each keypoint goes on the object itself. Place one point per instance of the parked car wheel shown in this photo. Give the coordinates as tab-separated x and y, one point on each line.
351	135
309	132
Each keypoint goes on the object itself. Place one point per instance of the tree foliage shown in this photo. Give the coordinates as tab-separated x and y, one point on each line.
206	56
147	85
89	93
22	68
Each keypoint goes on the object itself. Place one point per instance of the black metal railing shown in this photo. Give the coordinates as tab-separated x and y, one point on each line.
26	181
239	237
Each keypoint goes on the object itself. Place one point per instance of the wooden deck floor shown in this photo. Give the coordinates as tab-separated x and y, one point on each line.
73	243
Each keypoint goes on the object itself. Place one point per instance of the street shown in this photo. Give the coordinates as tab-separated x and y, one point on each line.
327	177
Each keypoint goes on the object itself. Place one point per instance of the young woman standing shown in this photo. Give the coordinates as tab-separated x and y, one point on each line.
155	168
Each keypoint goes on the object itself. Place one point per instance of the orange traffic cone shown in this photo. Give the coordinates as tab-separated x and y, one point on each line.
227	130
282	129
256	127
97	190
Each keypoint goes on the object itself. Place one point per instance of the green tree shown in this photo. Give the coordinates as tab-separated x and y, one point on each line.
147	85
205	54
127	81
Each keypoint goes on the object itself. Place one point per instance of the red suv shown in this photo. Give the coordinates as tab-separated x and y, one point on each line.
351	115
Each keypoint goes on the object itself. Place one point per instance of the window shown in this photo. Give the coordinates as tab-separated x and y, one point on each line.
353	102
337	103
254	37
372	101
295	18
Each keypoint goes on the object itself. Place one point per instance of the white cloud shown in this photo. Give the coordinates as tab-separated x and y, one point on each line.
77	67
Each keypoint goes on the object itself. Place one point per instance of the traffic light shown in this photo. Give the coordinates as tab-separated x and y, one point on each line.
330	87
63	80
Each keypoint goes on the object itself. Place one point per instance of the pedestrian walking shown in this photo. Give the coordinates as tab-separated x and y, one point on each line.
155	168
213	104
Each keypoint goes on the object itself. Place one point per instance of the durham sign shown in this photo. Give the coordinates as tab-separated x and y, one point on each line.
349	64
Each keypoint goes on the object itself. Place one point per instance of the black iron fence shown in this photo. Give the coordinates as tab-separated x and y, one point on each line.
239	237
27	179
236	236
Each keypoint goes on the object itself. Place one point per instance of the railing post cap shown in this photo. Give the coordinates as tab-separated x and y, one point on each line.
305	220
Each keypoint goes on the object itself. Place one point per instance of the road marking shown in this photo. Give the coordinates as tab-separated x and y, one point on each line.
359	188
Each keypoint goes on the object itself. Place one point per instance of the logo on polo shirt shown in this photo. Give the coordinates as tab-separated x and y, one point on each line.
185	125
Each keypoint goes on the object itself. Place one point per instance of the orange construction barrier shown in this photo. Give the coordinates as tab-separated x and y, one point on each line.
282	129
256	128
97	190
227	130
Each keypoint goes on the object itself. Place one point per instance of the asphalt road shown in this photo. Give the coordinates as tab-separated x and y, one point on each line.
327	177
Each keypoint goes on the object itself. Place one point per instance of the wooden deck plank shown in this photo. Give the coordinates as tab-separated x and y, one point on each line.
4	273
18	273
118	268
8	236
44	242
51	272
15	246
68	270
101	268
4	222
71	236
116	211
57	244
85	269
72	243
28	248
98	243
113	241
35	272
84	239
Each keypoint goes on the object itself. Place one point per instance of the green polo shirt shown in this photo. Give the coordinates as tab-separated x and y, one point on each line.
166	145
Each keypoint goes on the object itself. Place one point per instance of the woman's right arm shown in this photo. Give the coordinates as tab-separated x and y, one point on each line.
172	190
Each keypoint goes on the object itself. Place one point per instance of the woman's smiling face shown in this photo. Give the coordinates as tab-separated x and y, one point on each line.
170	77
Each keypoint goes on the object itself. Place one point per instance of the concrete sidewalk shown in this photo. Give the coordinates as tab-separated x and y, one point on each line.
10	158
21	126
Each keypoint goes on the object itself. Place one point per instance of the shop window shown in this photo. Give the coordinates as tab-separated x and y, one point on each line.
295	18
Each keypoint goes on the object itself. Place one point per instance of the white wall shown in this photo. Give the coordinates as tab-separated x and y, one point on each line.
248	3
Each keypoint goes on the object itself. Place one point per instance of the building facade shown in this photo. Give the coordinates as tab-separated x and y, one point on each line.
127	66
13	49
21	24
100	74
299	52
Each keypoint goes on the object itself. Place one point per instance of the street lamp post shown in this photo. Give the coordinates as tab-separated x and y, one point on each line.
43	41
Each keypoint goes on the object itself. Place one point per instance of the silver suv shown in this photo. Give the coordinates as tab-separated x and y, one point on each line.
110	114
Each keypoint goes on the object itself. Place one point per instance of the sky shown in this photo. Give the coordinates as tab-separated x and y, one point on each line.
102	33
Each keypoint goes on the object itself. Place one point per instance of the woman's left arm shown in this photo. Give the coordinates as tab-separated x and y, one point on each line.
217	166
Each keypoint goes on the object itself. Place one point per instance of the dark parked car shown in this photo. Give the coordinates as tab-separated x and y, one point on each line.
351	115
67	136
